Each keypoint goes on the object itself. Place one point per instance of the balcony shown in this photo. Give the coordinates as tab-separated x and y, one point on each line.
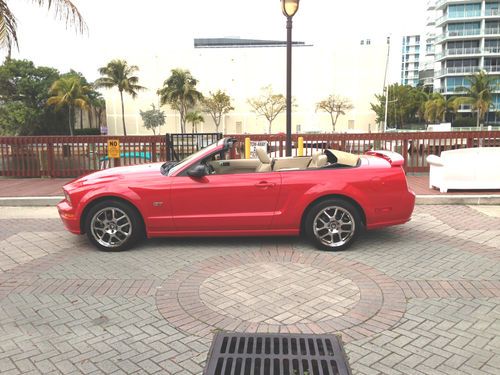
458	17
450	90
459	70
459	34
492	50
492	30
459	52
492	13
440	4
492	68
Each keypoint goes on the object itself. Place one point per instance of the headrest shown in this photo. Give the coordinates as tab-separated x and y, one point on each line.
321	161
315	156
262	155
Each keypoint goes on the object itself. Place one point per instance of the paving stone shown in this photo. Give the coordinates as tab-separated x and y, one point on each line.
421	298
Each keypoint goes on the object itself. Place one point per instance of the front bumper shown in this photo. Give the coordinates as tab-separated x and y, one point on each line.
70	220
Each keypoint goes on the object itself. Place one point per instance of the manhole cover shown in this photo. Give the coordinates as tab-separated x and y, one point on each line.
276	354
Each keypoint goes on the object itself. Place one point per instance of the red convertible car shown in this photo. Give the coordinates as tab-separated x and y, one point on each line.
330	197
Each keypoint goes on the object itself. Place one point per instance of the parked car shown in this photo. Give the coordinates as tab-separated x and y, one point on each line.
330	197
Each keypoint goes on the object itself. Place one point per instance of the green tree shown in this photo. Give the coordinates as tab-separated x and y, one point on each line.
479	94
216	105
63	9
69	92
269	105
179	90
121	75
24	90
404	105
153	118
335	106
194	118
438	106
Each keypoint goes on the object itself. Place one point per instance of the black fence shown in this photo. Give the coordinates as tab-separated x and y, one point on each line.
182	145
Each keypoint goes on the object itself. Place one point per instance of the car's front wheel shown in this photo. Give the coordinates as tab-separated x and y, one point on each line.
113	225
333	224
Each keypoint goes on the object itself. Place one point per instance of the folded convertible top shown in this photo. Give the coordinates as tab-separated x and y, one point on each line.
341	157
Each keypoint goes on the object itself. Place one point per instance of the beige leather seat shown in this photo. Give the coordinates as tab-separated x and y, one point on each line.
266	163
318	160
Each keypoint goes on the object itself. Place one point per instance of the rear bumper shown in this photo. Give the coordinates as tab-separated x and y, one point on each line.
405	206
68	217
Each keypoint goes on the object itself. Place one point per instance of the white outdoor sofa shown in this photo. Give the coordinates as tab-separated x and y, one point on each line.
466	168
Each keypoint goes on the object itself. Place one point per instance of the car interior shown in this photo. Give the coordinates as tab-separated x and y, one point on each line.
265	163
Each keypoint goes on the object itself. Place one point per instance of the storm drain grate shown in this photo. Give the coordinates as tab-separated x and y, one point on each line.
235	353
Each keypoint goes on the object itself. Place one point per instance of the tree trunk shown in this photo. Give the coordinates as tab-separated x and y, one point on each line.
333	123
81	118
69	120
269	130
123	114
90	113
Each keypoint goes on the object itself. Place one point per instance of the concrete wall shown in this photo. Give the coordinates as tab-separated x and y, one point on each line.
348	69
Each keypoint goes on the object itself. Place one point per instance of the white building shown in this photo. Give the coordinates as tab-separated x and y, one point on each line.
410	59
351	69
469	41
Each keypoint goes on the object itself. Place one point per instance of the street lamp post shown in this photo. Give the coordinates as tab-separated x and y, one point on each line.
289	8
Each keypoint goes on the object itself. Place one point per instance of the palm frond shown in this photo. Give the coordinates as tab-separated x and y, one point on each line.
66	11
8	25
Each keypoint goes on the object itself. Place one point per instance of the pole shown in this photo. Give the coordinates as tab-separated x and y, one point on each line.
289	86
385	84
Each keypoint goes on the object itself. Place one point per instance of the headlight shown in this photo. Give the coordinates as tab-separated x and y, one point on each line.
66	195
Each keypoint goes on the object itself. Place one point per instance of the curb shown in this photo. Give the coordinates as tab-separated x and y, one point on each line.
420	200
30	201
473	200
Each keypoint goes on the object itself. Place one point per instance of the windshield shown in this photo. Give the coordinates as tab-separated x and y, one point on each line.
180	165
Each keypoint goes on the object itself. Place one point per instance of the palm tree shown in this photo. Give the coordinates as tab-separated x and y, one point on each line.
64	9
69	91
179	90
118	73
437	106
194	118
479	94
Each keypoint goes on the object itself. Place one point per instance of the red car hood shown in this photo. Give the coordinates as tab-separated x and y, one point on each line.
112	174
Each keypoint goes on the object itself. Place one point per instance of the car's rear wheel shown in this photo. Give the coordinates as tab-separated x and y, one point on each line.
333	224
113	226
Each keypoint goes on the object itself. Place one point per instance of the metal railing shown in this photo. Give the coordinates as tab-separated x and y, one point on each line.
459	70
459	16
64	156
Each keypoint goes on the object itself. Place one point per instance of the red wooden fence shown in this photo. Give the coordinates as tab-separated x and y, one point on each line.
64	156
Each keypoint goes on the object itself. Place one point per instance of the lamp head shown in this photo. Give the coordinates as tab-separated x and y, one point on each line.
289	7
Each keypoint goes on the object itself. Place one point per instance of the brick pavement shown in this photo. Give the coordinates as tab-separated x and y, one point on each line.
422	298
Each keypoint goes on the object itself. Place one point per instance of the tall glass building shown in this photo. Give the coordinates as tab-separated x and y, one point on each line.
467	41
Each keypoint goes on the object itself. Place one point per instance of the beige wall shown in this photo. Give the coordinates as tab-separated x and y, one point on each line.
348	69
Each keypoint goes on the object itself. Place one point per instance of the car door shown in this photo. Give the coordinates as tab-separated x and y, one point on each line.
230	202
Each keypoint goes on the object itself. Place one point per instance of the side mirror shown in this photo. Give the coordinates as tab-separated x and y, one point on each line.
197	171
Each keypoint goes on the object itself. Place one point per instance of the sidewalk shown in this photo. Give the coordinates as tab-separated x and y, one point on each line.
48	191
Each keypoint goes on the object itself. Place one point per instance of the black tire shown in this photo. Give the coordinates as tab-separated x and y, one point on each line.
346	218
125	235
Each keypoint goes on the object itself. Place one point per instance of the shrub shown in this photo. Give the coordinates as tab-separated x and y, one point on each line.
88	131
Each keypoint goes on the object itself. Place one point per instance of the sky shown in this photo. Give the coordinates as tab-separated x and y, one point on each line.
126	28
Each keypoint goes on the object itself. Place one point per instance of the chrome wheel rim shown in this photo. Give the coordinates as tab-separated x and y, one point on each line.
111	227
334	226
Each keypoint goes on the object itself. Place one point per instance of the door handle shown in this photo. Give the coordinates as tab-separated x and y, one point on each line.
265	184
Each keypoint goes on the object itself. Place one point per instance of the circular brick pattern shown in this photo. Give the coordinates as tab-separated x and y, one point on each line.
279	293
191	301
